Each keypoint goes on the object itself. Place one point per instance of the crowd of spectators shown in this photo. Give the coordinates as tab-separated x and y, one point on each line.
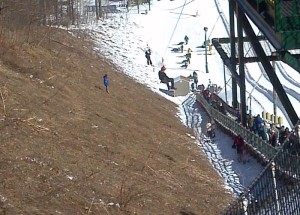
276	135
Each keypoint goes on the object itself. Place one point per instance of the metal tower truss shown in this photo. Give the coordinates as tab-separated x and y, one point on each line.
242	8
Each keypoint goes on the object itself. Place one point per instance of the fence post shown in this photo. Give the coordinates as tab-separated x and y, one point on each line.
275	188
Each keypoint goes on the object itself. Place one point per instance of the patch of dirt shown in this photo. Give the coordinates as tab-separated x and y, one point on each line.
68	147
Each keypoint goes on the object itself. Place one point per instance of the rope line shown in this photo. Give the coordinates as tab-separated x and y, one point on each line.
182	5
175	27
213	28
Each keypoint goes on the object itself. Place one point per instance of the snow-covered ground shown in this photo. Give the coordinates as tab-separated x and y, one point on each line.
123	38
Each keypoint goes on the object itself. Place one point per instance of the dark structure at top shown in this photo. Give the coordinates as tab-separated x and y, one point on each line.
279	22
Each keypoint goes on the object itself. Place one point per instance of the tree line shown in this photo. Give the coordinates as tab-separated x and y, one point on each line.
46	12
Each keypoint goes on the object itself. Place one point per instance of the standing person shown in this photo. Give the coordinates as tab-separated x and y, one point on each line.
106	82
188	60
195	77
186	39
212	133
127	5
213	100
165	79
209	82
213	128
209	129
222	108
274	136
189	52
206	94
193	87
250	122
148	56
257	123
238	115
189	55
240	147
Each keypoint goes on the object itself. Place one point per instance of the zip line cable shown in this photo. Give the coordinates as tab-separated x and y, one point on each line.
214	27
174	29
184	14
182	5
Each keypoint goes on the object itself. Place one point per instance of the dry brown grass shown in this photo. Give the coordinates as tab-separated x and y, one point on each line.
68	147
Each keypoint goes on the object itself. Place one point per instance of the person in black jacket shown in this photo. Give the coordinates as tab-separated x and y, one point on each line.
165	79
148	57
195	78
186	39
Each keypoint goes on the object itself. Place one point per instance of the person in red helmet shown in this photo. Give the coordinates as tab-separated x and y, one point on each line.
164	78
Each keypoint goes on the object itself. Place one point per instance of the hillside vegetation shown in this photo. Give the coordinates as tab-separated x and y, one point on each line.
68	147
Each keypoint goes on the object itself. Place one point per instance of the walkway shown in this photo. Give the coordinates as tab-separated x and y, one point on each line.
223	158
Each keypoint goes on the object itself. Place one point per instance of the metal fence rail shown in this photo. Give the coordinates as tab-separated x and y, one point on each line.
260	146
270	194
277	189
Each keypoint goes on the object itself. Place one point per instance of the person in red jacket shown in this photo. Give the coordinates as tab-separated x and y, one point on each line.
240	147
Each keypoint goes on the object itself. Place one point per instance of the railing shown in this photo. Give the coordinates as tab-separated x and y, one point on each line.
277	189
261	147
255	144
269	194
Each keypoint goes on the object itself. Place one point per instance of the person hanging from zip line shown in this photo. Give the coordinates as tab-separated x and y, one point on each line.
164	78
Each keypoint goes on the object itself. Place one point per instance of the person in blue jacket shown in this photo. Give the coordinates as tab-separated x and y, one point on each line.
106	82
258	121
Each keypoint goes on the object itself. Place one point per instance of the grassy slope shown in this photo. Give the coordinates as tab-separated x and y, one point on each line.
67	146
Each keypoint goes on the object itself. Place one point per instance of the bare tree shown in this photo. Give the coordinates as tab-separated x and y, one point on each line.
42	11
96	8
100	9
